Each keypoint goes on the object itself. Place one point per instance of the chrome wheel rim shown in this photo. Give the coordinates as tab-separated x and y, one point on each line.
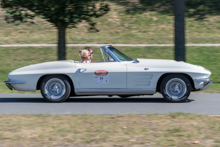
176	88
55	88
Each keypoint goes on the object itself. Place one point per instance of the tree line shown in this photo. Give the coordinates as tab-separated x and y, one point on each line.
65	14
197	9
61	14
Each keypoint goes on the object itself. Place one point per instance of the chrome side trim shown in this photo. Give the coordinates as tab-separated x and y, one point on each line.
114	91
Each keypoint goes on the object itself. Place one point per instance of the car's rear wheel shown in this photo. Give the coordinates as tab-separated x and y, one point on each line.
55	88
175	88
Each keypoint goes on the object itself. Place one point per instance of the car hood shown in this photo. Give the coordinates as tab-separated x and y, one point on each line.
171	65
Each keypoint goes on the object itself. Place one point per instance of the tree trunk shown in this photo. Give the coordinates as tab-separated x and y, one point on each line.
61	50
179	7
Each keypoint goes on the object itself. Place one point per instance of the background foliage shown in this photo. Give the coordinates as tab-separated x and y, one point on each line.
194	8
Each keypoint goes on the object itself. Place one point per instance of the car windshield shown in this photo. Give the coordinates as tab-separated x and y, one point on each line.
119	54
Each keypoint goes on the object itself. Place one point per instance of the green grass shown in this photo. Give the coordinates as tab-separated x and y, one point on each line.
13	58
174	129
115	27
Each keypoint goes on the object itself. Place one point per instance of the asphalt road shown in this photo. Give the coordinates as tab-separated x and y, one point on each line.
35	104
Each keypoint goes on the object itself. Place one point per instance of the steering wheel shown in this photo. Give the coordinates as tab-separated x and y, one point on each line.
110	59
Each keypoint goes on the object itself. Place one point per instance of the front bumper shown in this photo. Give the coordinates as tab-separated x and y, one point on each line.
202	84
207	84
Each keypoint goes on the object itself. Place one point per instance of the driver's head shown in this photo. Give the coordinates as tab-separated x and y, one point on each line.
90	51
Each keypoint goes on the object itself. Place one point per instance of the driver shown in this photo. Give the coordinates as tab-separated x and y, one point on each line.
90	52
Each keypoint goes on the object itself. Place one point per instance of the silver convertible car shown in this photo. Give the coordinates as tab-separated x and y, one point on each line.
118	75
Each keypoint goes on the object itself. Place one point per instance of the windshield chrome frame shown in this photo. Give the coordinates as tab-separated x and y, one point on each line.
102	54
109	52
106	48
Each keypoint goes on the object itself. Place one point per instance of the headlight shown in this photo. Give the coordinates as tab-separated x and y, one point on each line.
205	75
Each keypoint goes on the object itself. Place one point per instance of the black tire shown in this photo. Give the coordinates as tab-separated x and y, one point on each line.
55	88
175	88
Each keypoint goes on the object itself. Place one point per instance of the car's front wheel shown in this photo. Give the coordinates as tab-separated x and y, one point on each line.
175	88
55	88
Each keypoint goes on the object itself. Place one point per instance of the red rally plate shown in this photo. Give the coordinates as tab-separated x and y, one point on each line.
101	72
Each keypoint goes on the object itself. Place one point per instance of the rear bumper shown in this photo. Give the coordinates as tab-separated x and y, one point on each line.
202	84
9	84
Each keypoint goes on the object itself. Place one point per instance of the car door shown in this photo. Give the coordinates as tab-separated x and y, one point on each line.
102	75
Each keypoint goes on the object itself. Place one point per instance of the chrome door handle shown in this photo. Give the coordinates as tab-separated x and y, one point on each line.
82	69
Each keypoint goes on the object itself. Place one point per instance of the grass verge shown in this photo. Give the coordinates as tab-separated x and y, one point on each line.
13	58
175	129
